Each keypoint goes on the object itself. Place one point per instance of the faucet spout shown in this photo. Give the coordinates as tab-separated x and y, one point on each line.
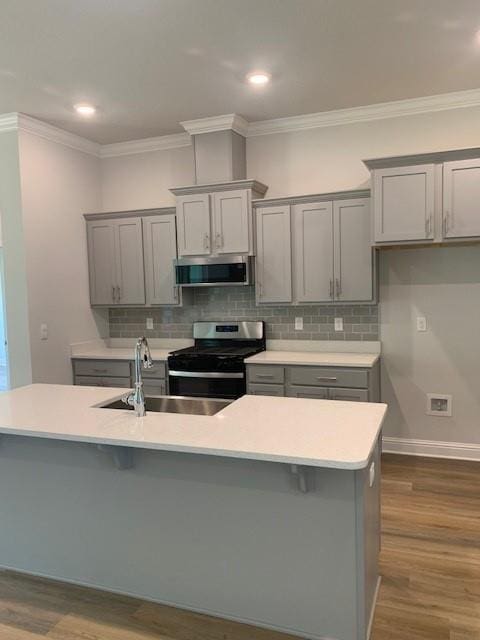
136	399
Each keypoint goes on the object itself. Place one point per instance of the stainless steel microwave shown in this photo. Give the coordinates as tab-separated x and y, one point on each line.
220	271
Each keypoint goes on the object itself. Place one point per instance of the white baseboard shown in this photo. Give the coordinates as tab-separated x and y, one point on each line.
431	448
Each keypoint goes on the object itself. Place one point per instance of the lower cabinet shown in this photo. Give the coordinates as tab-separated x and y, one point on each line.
119	373
321	383
265	389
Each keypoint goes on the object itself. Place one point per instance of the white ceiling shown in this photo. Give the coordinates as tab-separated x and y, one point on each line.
149	64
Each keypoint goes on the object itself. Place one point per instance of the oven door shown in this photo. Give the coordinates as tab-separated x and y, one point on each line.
207	384
204	272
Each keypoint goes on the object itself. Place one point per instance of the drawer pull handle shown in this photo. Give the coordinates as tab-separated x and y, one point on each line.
328	379
264	375
101	370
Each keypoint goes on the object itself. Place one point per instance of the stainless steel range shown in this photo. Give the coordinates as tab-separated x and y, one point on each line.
214	366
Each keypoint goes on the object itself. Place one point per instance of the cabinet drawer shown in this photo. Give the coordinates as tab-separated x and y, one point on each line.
348	395
263	373
298	391
328	377
266	390
98	381
115	368
154	387
157	371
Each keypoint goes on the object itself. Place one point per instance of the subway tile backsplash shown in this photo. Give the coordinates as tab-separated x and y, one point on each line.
360	322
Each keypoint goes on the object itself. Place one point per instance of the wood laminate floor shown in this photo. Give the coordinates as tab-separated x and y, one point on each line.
430	563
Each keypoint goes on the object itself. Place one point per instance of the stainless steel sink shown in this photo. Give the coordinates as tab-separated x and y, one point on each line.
176	404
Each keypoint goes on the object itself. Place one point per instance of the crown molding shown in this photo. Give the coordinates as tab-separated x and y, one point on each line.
257	187
349	194
8	122
132	147
22	122
379	111
217	123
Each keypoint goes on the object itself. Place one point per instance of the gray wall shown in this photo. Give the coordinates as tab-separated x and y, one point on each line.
227	303
442	284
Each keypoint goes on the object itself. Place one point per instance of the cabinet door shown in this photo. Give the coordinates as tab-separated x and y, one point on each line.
315	393
160	246
193	220
274	255
313	255
348	395
404	199
101	262
353	250
461	199
266	390
232	224
129	261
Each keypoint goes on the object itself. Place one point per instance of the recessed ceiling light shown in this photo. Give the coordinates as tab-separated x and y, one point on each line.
258	77
85	109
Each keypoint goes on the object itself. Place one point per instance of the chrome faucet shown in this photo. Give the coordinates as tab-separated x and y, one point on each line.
136	399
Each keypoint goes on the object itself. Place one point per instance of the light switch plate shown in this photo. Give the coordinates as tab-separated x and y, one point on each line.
149	323
298	324
338	324
421	323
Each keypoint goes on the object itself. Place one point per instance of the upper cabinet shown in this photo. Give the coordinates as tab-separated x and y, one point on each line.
426	198
216	219
160	245
274	255
131	258
194	225
461	198
404	201
115	251
313	242
353	255
315	249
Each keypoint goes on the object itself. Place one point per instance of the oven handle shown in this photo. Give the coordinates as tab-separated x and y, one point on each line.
205	374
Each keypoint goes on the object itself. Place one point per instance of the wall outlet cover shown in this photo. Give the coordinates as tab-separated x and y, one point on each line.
338	324
439	404
43	331
421	323
298	324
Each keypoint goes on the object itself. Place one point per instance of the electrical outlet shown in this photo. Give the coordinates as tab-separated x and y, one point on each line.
149	323
338	324
439	404
43	331
298	324
421	323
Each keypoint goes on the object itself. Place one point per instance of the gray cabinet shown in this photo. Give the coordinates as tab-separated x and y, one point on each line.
461	198
313	242
115	256
194	227
353	253
102	373
404	203
274	255
160	250
119	373
333	258
232	222
350	384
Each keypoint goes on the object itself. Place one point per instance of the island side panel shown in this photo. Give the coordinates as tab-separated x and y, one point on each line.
233	538
368	528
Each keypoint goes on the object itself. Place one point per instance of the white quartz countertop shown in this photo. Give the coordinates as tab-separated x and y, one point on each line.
112	353
321	433
326	358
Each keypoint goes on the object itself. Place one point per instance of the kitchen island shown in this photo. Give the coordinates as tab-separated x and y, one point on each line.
267	512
